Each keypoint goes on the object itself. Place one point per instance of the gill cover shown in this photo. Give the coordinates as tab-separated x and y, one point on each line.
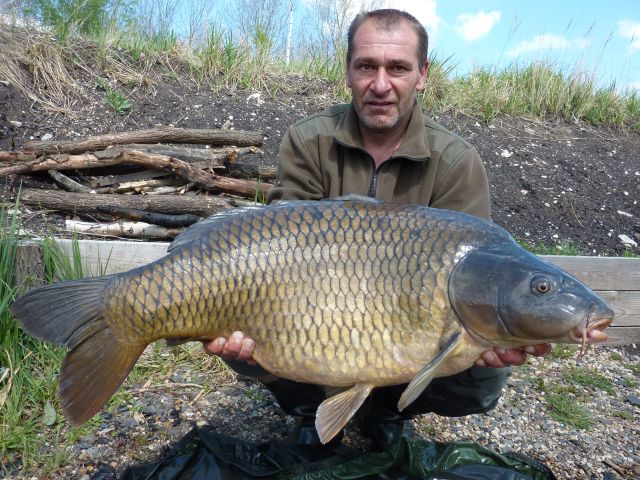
508	296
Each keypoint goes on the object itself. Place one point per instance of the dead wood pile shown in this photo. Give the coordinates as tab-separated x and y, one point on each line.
159	180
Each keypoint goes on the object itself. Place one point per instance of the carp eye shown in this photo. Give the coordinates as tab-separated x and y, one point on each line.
542	285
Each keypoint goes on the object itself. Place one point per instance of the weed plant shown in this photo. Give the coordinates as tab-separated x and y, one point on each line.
566	408
28	379
128	48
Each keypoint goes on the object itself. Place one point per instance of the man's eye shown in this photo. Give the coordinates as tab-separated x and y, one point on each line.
365	68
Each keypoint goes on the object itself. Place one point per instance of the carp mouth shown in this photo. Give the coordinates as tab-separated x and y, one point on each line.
592	331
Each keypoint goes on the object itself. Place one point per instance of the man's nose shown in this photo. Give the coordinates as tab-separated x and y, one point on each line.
381	84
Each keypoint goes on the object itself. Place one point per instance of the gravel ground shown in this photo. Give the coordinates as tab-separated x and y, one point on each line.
151	414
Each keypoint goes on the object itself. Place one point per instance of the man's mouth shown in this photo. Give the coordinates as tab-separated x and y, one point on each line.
379	104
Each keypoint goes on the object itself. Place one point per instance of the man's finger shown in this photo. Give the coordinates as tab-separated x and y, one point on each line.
246	349
538	350
510	356
216	346
233	345
491	359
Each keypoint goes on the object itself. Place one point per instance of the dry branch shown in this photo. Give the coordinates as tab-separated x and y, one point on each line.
245	170
87	202
238	138
112	156
67	184
11	157
141	185
206	157
122	229
109	180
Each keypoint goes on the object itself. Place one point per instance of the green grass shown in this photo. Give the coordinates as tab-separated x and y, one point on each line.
634	367
133	54
589	378
29	380
563	351
567	409
622	414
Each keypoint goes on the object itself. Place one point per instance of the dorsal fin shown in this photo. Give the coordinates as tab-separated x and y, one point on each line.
197	230
354	197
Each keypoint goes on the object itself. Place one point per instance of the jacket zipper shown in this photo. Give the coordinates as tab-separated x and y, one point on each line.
373	186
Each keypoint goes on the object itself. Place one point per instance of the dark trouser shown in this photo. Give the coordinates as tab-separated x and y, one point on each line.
475	390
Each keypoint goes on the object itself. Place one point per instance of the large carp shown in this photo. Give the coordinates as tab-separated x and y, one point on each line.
348	292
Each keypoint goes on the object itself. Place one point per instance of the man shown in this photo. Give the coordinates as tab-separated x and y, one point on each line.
382	145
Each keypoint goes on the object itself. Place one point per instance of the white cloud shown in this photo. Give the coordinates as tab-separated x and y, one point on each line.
631	31
473	26
549	41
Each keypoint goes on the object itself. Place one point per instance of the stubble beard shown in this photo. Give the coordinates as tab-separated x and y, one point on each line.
379	125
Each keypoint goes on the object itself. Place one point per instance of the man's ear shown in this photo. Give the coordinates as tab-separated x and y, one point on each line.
423	76
348	77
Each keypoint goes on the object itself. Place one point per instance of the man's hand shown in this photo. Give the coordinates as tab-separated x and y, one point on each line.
237	347
503	357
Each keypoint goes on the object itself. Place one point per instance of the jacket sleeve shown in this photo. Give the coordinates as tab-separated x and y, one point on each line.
299	176
462	185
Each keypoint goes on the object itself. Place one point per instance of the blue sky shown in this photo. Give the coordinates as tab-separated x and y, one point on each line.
590	35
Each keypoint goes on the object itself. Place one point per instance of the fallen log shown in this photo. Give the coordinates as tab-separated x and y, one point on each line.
238	138
162	219
189	172
201	205
122	229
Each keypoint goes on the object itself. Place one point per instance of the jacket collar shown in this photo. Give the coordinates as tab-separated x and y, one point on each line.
414	145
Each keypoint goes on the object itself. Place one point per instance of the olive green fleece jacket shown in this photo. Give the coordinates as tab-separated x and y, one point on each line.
322	157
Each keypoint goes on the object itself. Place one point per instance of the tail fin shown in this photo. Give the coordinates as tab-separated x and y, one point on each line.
70	313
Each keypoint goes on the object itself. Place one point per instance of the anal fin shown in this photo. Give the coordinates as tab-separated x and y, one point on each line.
334	413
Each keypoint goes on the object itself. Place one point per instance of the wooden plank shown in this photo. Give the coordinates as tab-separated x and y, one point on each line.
601	273
623	336
106	257
625	304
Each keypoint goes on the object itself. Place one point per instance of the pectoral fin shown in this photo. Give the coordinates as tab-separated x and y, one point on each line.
334	413
424	376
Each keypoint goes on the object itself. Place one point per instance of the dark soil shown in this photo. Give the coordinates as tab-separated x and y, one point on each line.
552	183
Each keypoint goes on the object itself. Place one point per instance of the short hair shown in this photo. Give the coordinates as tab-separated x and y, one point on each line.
387	19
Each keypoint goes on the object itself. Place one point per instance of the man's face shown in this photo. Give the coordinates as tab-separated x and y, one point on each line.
384	75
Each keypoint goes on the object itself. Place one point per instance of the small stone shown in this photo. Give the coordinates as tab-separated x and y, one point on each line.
633	400
149	410
46	137
130	423
15	123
